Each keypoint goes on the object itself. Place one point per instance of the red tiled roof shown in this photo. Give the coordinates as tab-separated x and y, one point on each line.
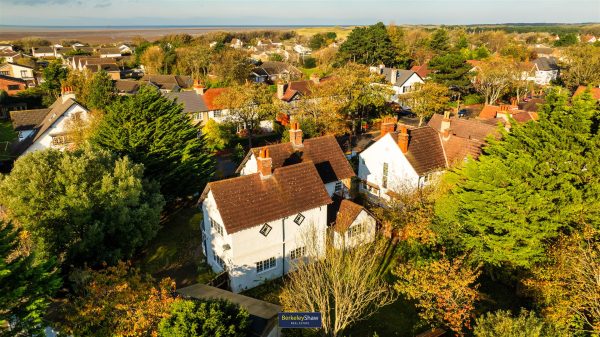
210	95
489	111
324	152
247	201
346	215
425	152
595	92
465	128
525	116
422	71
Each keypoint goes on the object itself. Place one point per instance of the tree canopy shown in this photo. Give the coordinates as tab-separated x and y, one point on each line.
82	206
193	318
451	70
539	180
368	45
153	130
26	286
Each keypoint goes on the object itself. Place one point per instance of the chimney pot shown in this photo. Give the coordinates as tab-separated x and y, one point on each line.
296	135
403	139
445	125
264	163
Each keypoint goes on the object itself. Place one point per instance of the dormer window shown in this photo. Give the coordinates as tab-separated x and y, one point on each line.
265	230
299	219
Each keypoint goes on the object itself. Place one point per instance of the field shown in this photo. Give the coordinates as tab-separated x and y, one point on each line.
342	32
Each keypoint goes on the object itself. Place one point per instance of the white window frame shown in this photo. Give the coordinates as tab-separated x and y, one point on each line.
339	186
356	230
266	265
297	253
216	226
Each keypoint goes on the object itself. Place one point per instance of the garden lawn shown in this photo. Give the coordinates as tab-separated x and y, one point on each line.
176	252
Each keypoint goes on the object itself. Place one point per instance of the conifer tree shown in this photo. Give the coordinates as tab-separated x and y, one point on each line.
153	130
26	286
541	179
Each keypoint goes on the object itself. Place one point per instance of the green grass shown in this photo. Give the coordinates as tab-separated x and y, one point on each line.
7	133
268	291
176	251
397	319
307	72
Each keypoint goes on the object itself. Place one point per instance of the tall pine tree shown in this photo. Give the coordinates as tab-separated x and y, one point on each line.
153	130
26	286
541	179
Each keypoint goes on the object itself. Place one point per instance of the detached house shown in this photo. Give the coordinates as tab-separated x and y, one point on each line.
254	225
47	128
43	52
403	159
19	71
545	70
168	83
109	52
401	81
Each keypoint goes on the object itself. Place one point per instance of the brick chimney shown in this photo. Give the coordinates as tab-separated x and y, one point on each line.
445	126
66	93
403	139
199	88
295	135
393	75
264	163
280	89
387	125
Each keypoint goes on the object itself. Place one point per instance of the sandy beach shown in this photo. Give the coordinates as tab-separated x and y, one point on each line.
97	35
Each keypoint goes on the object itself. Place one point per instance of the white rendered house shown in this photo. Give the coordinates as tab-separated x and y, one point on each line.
254	226
405	159
41	129
354	225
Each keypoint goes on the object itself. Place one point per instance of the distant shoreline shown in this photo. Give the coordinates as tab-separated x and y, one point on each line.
112	34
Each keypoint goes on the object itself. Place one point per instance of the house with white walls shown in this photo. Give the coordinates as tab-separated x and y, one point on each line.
401	81
324	152
403	159
254	226
353	224
41	129
545	70
18	71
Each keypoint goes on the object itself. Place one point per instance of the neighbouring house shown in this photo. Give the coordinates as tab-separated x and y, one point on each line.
423	71
109	52
125	49
43	52
18	71
402	159
112	69
324	152
47	128
12	85
353	224
236	43
543	51
276	70
263	315
9	55
588	38
193	105
126	87
505	112
595	91
545	69
302	50
80	62
295	90
254	225
168	83
401	81
214	110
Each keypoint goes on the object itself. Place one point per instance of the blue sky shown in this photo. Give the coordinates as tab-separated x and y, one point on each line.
293	12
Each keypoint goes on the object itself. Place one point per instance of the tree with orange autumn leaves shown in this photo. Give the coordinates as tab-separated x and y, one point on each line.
117	301
444	290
